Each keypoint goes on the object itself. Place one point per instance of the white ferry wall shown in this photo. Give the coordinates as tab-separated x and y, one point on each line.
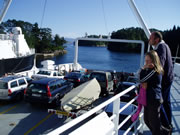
22	48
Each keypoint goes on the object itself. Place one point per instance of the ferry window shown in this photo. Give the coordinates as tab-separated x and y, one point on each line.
48	73
21	82
40	72
54	74
14	84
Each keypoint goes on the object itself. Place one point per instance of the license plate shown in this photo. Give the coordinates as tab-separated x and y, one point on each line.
70	79
62	113
36	95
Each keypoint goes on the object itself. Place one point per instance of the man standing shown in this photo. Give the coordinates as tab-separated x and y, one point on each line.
156	41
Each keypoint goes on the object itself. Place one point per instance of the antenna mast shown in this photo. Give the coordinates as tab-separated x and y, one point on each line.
140	19
4	9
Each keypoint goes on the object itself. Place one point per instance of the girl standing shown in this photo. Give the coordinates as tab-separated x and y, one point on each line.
151	77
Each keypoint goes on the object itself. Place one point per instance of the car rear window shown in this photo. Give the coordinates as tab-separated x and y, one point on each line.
57	84
76	75
28	80
21	82
44	72
40	88
100	77
3	85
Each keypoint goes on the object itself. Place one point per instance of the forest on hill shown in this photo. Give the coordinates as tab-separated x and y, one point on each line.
171	37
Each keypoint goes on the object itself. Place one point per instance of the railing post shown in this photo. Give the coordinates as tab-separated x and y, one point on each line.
116	107
141	121
76	54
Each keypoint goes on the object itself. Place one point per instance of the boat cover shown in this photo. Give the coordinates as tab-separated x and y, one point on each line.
81	96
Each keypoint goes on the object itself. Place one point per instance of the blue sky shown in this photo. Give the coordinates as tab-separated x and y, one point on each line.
73	18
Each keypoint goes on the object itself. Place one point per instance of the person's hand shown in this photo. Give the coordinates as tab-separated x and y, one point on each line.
148	66
151	65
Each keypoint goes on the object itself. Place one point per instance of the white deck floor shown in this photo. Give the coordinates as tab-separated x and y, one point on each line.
175	102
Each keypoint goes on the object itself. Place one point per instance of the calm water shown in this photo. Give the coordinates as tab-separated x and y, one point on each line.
101	58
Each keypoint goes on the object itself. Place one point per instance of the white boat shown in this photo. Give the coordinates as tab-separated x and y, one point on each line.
81	96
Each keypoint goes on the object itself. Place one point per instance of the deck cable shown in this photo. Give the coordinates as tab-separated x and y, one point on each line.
105	21
44	9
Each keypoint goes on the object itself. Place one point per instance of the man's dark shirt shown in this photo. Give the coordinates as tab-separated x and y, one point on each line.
166	61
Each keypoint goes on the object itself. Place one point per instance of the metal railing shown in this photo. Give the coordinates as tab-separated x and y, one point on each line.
115	117
109	40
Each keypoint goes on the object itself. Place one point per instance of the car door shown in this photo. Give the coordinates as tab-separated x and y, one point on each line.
14	86
22	84
54	89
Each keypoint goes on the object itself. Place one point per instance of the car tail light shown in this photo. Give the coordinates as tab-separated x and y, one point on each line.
65	78
115	81
52	111
9	92
48	91
72	115
25	91
136	94
78	80
106	84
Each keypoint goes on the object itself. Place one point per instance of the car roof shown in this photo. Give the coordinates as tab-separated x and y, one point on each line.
128	83
105	70
45	80
99	72
76	73
48	70
11	77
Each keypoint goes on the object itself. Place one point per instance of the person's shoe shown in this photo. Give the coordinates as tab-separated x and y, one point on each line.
166	130
171	127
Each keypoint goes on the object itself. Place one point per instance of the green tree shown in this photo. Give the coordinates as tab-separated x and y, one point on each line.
58	41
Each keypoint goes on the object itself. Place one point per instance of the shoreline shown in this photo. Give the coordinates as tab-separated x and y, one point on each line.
49	55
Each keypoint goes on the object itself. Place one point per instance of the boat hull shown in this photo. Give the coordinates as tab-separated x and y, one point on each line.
81	96
15	65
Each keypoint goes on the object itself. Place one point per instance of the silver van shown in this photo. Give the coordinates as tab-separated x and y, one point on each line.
105	80
47	74
12	87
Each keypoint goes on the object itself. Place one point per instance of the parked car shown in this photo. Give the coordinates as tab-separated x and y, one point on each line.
128	96
47	90
115	78
46	74
105	80
12	87
109	110
133	79
76	77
